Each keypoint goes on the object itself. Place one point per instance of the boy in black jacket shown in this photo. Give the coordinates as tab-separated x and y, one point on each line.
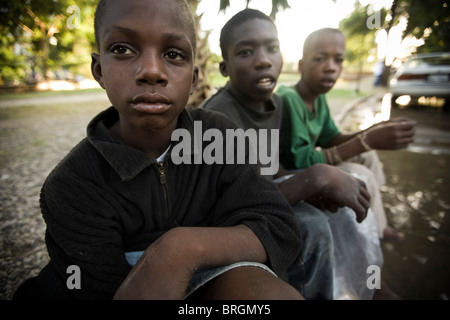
134	223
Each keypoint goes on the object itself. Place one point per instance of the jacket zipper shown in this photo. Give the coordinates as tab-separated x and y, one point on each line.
162	173
163	180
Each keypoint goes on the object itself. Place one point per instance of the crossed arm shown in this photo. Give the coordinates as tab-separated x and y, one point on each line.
166	267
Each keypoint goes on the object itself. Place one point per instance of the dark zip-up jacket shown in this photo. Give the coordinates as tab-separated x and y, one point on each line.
105	199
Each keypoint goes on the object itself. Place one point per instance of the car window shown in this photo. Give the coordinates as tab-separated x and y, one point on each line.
432	61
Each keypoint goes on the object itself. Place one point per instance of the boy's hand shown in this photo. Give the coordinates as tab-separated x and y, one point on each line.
328	188
343	190
391	135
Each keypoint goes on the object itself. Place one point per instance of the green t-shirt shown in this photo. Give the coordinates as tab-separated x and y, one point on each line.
305	131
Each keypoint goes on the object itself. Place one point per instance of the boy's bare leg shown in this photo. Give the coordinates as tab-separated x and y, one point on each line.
247	283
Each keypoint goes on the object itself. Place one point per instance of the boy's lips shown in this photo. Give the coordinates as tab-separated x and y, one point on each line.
266	83
152	103
327	82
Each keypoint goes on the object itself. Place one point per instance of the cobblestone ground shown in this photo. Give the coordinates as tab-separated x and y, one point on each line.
33	139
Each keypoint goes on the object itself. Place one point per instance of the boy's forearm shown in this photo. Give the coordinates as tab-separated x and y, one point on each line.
303	185
166	267
351	148
348	145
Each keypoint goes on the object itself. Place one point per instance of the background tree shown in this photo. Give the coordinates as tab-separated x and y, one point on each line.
276	5
42	34
39	36
427	20
360	36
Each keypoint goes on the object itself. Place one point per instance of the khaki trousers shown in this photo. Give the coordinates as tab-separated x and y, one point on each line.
368	167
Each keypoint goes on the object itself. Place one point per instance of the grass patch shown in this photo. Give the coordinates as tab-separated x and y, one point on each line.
38	94
288	79
345	94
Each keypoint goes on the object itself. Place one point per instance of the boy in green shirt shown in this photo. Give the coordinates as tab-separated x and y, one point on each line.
310	124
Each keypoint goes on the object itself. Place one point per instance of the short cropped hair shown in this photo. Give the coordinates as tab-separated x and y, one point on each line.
314	35
188	23
238	19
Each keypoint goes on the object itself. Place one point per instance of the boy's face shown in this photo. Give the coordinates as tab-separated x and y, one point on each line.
146	62
321	66
254	60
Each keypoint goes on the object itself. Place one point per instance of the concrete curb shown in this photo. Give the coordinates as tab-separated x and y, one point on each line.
349	107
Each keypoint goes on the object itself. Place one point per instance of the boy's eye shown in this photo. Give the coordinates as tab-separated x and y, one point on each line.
245	53
274	49
319	59
121	50
175	56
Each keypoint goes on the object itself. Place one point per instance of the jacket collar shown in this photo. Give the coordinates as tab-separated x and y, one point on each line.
126	161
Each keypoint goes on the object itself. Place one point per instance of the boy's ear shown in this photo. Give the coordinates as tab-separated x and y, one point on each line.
223	69
96	69
300	65
194	80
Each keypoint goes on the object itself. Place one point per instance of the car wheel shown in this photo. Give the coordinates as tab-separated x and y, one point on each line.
446	107
394	104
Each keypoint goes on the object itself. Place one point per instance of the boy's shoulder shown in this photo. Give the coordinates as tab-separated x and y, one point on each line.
210	118
75	163
219	99
286	91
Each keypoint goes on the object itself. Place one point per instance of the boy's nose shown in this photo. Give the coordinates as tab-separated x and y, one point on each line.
262	59
331	65
151	70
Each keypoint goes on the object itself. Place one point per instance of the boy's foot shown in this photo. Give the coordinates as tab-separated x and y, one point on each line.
391	234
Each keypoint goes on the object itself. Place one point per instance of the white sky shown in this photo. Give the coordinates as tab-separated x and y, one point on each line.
294	24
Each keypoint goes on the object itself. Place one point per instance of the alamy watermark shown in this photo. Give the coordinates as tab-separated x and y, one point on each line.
374	279
74	20
235	147
374	21
73	282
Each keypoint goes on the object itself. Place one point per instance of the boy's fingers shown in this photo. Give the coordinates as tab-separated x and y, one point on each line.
361	213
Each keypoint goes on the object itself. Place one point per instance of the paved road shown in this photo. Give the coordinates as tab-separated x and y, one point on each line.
32	141
417	202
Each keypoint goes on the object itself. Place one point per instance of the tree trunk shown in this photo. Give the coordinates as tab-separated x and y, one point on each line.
44	48
201	60
387	70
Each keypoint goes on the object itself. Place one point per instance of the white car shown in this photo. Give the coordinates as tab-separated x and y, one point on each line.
423	75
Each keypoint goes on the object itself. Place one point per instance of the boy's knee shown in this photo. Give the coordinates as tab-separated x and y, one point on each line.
249	283
316	231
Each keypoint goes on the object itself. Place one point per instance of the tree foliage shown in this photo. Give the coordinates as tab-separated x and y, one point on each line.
44	35
429	20
359	33
277	5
